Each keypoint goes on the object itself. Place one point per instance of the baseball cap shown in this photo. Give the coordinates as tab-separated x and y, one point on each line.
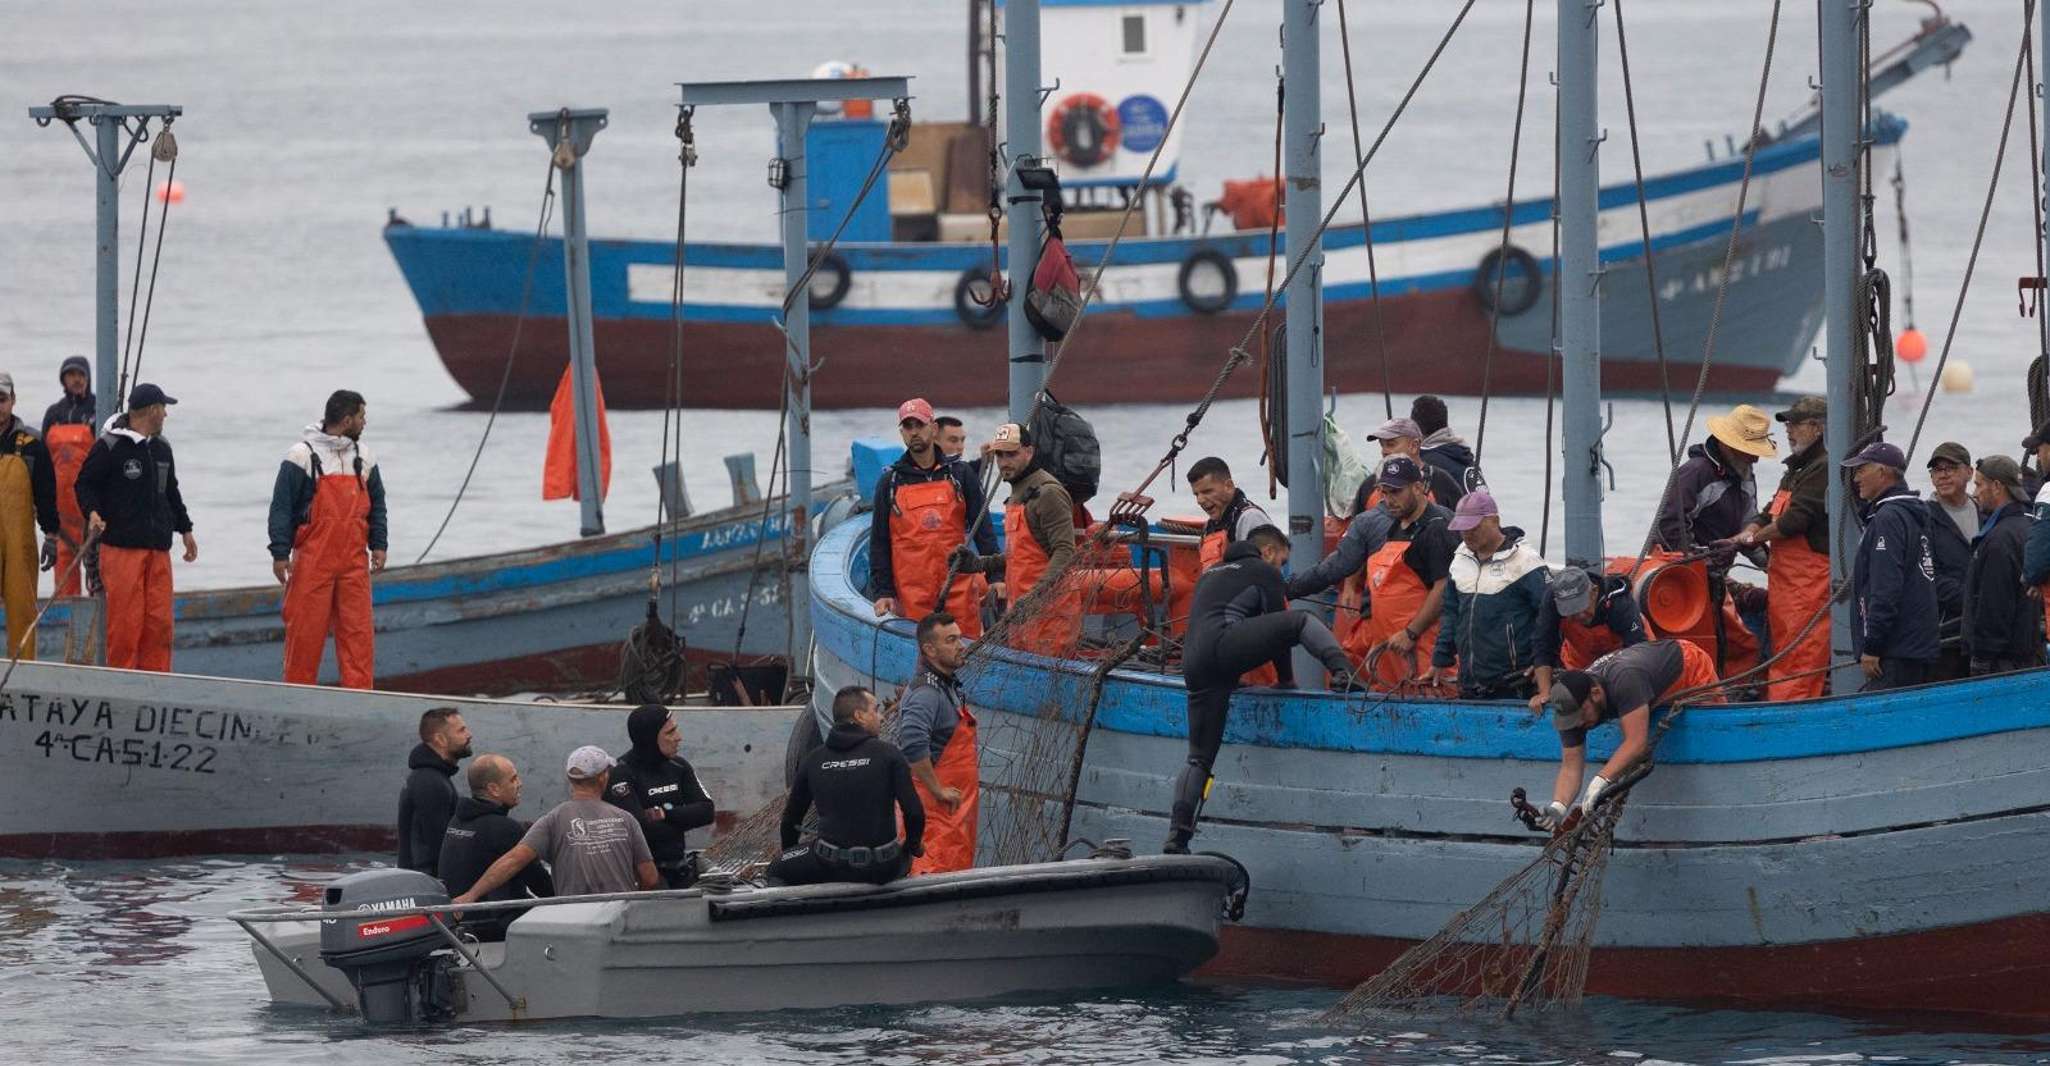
1878	452
1804	409
1010	437
6	384
1399	471
915	407
587	762
2006	471
1397	429
1473	507
1569	691
2037	439
1950	451
147	395
1572	591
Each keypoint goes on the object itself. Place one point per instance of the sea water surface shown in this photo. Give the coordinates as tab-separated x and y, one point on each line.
304	123
133	963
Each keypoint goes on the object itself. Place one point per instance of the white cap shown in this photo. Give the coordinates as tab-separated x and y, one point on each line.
588	762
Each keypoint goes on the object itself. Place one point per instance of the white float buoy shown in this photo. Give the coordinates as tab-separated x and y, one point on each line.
1957	376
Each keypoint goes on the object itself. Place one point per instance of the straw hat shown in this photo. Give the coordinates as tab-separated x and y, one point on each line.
1745	429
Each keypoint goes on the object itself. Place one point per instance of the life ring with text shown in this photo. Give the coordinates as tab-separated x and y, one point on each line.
969	292
829	283
1083	130
1207	281
1522	282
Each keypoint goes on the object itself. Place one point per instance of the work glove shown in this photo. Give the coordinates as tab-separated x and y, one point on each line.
49	557
964	560
1595	788
1552	817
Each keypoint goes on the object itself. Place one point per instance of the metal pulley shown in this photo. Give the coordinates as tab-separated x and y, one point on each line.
166	148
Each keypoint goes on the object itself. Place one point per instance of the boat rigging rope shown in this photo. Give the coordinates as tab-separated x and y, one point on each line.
1352	107
1133	503
2037	382
166	148
1651	284
672	414
1554	357
1985	212
511	355
1715	317
999	290
1480	436
1272	462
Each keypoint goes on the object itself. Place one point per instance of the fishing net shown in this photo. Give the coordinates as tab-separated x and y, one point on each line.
1524	946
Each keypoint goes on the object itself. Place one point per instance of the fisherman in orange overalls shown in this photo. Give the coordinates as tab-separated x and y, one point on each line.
923	505
69	426
128	489
328	534
1231	518
1583	619
1039	545
28	498
1796	525
1406	574
936	733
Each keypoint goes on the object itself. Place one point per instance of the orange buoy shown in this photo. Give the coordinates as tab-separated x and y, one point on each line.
170	192
1911	346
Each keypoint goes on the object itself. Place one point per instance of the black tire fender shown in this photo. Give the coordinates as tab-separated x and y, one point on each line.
835	268
1215	260
1516	300
972	314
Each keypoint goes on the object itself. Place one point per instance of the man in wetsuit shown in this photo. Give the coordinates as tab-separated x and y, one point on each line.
658	787
859	782
1622	687
1240	619
429	798
482	831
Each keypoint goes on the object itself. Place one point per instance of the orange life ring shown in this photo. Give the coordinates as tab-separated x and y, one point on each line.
1083	130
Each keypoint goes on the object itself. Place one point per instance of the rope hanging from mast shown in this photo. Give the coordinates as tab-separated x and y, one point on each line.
1480	437
1651	284
165	149
1352	106
1957	312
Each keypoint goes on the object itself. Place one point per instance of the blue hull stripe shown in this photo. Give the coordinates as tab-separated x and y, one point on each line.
1154	705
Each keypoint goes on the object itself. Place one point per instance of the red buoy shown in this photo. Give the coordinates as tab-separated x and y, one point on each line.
1911	346
170	192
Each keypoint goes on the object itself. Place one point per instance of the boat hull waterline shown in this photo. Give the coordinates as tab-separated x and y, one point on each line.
898	319
185	765
1872	852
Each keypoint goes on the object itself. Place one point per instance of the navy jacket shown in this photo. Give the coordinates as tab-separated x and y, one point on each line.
1951	554
2000	618
1491	612
2036	556
132	482
1709	500
1893	584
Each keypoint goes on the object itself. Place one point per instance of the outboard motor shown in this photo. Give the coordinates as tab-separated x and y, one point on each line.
399	964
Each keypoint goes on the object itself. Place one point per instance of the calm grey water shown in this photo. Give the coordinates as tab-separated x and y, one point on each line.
305	122
132	963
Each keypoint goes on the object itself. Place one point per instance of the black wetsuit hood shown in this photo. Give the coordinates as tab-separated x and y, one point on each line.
644	728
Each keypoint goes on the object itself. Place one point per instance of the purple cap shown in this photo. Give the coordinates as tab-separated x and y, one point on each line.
1398	471
1473	507
1397	429
1878	452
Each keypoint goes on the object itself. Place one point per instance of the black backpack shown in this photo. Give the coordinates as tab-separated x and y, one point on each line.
1064	444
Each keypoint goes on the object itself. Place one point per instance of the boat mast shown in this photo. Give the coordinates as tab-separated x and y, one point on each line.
1838	27
111	126
569	134
1021	136
1303	161
793	102
1579	280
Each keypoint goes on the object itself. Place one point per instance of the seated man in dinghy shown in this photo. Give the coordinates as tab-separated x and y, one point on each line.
859	782
1622	687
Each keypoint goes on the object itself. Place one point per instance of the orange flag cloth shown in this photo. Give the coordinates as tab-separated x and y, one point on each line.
559	469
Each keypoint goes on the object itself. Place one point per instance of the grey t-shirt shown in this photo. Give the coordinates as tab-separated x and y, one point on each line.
1966	515
591	846
1632	677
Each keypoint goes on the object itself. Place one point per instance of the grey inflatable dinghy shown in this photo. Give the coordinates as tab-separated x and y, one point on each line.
384	945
